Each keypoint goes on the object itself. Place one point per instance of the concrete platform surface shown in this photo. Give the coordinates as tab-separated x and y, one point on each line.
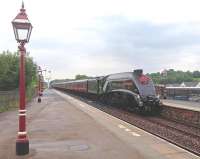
63	127
195	106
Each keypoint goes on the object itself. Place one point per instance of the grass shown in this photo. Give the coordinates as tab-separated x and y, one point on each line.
10	100
197	79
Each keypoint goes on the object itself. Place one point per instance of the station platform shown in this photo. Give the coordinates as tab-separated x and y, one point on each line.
63	127
195	106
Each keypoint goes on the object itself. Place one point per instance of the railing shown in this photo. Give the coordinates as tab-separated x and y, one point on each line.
8	99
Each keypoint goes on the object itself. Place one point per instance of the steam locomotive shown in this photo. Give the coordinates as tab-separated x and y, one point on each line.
127	89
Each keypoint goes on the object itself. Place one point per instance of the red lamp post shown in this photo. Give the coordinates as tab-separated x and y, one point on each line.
42	82
39	84
22	30
42	85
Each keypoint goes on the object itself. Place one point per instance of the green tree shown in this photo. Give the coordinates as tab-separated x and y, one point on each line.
196	74
174	77
9	71
78	77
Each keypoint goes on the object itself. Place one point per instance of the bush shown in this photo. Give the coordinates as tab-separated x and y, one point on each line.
9	71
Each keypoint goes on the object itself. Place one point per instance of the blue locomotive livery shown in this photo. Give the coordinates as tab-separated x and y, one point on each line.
133	90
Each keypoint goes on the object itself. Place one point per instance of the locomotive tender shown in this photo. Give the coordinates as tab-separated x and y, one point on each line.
128	89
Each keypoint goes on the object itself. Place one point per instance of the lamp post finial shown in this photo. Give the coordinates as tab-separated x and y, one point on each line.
22	4
22	9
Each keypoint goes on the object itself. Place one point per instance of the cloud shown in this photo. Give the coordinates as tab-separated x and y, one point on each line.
117	44
118	30
98	38
150	46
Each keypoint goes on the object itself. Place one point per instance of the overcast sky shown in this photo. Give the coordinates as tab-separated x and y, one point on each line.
98	37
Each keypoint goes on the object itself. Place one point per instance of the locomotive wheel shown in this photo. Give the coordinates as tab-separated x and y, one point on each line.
145	110
115	99
156	110
104	99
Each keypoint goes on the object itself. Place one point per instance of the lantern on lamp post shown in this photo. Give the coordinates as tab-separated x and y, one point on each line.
22	30
22	26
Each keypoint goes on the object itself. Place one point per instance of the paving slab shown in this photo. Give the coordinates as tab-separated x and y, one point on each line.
63	127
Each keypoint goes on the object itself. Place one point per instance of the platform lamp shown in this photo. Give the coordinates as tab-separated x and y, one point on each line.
42	82
49	77
22	30
39	84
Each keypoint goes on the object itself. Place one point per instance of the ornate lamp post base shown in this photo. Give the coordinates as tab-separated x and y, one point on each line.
22	147
39	100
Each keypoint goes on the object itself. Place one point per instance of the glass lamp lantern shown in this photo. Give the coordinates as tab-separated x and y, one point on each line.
22	26
39	70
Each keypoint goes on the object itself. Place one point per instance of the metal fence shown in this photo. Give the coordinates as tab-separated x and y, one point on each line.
8	99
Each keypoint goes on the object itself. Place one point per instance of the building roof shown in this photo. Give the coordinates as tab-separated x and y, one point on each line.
189	84
173	85
185	84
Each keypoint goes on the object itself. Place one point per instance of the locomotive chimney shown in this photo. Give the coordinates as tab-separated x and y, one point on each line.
138	71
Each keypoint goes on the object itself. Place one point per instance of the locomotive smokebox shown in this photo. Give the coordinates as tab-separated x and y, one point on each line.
138	71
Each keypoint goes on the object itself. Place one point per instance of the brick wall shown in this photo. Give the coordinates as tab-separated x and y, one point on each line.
182	115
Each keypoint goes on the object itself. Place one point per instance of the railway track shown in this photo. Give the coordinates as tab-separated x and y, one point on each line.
175	133
187	130
185	136
180	135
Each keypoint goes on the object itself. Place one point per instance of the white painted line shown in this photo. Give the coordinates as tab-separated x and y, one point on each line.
70	98
128	130
91	110
121	126
82	105
135	134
